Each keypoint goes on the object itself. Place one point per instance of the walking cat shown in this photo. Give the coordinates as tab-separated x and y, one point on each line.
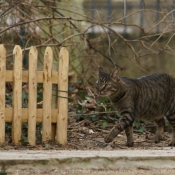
147	98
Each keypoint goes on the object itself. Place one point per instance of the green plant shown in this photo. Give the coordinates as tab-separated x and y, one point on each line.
139	126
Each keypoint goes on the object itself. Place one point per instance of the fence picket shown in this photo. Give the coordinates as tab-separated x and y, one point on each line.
33	54
2	93
47	94
17	96
62	96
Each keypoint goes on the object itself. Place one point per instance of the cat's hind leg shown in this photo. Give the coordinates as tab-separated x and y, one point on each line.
129	136
171	120
160	129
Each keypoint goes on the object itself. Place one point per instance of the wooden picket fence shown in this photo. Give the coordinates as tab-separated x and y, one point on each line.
54	121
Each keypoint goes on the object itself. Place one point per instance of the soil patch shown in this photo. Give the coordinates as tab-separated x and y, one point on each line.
85	135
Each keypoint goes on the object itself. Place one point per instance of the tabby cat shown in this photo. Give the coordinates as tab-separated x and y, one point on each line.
147	98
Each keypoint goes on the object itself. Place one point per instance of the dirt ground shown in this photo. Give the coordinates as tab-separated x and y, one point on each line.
84	135
92	138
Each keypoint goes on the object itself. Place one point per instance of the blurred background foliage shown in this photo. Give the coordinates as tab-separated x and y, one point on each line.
136	35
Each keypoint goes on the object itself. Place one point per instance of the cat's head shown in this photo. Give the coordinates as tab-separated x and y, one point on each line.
108	84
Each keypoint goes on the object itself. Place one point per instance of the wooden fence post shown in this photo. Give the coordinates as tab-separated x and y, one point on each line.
62	96
17	96
2	92
33	55
47	94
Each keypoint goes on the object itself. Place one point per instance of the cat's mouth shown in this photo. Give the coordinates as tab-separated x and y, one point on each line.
101	92
107	92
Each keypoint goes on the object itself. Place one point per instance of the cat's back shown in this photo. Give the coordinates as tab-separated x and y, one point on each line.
153	95
151	81
156	77
158	82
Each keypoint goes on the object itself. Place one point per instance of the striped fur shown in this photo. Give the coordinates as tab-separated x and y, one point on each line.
148	98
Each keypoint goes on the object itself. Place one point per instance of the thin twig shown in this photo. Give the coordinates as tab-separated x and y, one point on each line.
95	113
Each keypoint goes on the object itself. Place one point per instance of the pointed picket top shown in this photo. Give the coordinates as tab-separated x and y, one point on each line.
17	51
33	51
48	54
64	57
3	51
48	58
64	50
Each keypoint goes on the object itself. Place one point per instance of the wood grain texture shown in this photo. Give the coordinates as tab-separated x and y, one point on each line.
47	94
25	115
17	96
33	55
25	76
62	96
2	93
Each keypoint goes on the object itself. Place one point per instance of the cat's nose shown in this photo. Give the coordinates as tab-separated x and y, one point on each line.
99	89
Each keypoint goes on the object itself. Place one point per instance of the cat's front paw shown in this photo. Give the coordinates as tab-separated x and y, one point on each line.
172	143
158	138
108	139
130	144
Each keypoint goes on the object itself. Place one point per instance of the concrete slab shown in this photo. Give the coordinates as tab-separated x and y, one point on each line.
121	162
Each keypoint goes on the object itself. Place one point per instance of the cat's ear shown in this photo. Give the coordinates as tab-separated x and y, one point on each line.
115	75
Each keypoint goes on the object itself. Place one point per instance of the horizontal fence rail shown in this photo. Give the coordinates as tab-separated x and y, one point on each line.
54	121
